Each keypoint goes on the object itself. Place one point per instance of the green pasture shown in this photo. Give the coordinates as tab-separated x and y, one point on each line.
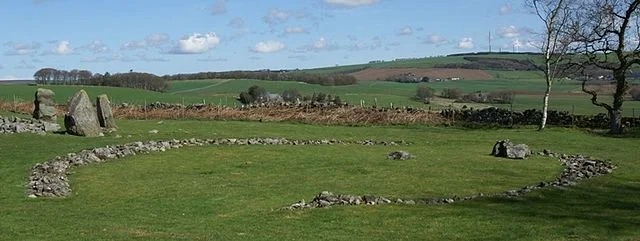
380	93
427	62
236	192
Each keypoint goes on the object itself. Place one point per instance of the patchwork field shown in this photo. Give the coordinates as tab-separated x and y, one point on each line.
236	192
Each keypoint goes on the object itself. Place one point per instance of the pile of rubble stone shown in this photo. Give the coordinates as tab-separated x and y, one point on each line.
12	125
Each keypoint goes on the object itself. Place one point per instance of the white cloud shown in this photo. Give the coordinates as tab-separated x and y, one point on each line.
276	16
152	40
219	7
97	47
268	47
299	57
237	22
505	9
509	32
133	45
465	43
350	3
63	48
212	59
435	39
145	58
104	59
294	30
321	45
406	30
196	43
22	48
156	39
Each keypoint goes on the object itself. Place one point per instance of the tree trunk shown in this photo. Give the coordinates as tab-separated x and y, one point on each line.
545	106
615	113
615	117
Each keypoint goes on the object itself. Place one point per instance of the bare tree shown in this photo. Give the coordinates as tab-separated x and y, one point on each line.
555	42
608	33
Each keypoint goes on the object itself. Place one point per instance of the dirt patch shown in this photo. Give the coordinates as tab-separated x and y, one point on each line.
432	73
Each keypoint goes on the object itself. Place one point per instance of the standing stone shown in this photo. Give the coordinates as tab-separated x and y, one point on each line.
44	108
81	119
105	115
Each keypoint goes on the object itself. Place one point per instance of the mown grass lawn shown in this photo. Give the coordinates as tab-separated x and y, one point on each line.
235	192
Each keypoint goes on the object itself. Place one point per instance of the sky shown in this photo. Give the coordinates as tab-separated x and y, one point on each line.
188	36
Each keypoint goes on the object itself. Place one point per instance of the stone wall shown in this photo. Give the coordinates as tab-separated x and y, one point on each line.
504	117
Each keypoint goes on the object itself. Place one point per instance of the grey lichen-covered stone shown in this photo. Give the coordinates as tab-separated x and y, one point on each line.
81	119
519	151
44	108
105	114
505	148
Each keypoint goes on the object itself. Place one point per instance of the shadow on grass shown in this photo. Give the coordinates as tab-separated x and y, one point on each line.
612	207
628	133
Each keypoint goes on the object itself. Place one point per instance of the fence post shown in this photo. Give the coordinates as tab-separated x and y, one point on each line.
15	105
145	109
573	114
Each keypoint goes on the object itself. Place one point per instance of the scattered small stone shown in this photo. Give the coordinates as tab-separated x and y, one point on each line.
154	131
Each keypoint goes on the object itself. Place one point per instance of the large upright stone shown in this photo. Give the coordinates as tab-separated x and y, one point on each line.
105	115
81	119
44	108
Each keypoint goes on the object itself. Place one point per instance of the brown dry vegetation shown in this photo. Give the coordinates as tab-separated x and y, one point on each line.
432	73
318	115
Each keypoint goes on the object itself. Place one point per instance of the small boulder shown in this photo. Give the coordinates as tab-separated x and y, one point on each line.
81	118
400	155
105	114
44	108
505	148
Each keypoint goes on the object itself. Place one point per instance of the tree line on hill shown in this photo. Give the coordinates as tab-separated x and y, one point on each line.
279	75
131	79
257	95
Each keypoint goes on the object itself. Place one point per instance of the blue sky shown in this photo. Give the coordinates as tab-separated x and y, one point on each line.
173	36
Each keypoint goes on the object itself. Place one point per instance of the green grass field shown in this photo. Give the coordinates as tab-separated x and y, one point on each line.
235	192
225	92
